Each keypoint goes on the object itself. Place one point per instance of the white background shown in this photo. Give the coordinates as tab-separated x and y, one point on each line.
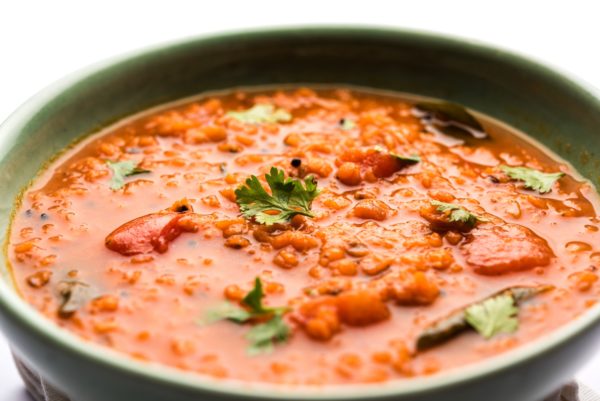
42	41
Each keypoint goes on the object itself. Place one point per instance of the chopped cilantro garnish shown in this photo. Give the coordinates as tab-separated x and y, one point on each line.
457	213
261	336
532	179
123	169
288	197
261	113
254	301
493	316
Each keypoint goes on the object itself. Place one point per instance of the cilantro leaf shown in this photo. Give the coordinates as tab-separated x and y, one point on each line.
123	169
532	179
288	197
263	336
347	124
457	213
493	316
254	300
261	113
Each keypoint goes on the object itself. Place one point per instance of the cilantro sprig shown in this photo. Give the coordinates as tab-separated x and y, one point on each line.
457	213
493	316
262	336
533	179
289	197
254	301
260	114
123	169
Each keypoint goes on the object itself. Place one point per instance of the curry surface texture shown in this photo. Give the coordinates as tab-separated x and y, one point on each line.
153	257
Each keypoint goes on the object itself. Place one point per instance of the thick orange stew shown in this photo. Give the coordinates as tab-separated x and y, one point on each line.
308	236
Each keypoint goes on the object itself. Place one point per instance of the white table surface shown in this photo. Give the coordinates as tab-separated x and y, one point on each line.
42	41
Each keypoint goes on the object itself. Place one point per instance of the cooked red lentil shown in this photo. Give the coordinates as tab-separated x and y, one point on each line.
391	240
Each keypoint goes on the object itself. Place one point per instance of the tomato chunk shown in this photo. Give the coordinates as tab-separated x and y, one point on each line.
382	163
144	234
499	249
361	163
152	232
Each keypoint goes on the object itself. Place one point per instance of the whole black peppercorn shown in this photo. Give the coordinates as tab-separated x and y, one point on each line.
296	163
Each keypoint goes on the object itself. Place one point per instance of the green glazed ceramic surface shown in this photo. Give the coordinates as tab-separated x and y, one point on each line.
561	113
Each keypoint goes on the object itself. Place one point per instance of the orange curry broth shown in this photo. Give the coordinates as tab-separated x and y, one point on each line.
368	232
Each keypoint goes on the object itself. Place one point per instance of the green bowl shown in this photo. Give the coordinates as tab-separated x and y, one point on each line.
561	113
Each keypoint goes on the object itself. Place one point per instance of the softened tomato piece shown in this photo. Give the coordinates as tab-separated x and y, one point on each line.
498	249
373	162
382	164
144	234
152	232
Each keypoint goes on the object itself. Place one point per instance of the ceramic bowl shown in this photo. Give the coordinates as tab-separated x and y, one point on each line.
559	112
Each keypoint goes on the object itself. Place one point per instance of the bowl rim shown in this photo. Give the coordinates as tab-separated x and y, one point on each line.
12	304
